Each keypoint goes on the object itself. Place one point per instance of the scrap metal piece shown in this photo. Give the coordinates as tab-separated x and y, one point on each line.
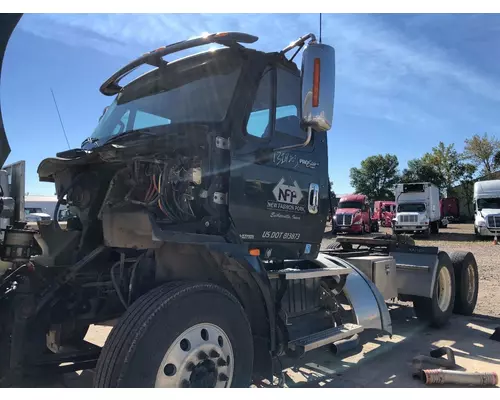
441	377
422	362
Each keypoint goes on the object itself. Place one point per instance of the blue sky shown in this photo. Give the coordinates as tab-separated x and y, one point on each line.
404	82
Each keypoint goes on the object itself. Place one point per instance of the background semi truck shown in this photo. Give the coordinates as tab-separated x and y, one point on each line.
384	212
450	209
195	236
353	215
417	208
487	208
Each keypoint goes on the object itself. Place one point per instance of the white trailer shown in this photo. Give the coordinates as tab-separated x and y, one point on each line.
487	208
417	208
39	208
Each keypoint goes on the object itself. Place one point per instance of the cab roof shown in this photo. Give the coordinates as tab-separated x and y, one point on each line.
354	197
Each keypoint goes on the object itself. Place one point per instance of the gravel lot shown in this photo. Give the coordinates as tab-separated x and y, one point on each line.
461	237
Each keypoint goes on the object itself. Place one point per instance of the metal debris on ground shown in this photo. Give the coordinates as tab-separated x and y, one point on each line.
421	362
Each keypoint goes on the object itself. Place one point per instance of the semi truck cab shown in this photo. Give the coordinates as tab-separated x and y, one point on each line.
353	214
487	208
384	212
198	208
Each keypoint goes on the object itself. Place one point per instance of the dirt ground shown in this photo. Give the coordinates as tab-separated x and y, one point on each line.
365	366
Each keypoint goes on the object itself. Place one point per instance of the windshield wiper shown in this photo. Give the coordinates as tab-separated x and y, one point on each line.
124	135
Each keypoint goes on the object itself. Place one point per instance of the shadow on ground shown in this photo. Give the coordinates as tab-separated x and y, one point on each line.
376	366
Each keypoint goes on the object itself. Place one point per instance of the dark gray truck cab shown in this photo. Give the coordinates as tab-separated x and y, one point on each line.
199	206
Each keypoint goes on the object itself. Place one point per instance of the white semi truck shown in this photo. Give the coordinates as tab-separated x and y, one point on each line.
417	208
487	208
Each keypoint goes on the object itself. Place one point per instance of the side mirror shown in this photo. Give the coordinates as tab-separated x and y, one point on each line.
318	86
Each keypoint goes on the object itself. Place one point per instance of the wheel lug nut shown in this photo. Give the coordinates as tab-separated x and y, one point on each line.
202	355
190	366
221	362
223	377
185	383
214	354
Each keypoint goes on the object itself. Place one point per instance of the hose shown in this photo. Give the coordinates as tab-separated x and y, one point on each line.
441	377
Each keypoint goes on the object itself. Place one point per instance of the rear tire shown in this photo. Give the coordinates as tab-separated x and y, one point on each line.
434	228
158	329
467	282
438	309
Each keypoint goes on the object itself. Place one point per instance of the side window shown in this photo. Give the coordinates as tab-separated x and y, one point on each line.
146	120
259	123
287	107
122	125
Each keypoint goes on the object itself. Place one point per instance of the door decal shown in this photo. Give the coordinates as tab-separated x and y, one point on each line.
288	198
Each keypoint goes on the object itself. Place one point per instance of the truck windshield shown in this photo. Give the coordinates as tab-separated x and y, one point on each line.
350	204
411	207
488	203
32	210
182	94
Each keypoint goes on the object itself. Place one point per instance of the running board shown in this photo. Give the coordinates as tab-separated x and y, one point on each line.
319	339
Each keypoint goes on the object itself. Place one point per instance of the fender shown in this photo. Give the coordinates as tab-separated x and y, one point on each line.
368	303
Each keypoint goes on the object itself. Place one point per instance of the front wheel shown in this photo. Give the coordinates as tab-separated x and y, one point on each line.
438	309
181	334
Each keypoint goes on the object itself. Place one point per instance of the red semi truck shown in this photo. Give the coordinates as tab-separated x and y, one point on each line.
353	215
450	209
384	211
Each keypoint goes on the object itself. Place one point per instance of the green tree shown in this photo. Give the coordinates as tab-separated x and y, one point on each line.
496	160
333	195
420	171
446	161
481	150
466	189
376	177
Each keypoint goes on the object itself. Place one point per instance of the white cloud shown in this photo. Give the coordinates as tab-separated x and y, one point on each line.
375	64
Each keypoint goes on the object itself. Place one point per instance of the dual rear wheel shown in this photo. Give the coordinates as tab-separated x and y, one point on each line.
455	289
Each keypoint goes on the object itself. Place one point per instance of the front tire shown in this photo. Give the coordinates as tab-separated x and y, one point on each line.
438	309
181	334
434	227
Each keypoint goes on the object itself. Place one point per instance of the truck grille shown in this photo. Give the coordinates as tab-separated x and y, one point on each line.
344	219
408	218
494	221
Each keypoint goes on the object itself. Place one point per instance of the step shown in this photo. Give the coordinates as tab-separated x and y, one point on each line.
322	338
292	273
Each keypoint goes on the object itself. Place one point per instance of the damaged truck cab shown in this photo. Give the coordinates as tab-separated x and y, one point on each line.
198	210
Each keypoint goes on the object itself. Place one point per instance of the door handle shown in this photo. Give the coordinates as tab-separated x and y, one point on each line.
313	199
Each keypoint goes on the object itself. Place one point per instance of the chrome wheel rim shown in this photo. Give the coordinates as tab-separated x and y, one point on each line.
471	287
444	289
200	357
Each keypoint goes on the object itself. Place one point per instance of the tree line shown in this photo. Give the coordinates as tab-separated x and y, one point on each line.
443	166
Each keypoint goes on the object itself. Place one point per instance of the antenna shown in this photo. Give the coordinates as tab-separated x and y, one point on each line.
320	27
60	120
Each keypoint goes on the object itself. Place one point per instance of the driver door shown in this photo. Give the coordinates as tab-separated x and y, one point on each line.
272	193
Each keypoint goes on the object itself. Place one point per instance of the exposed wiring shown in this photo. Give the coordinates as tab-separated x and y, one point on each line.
115	284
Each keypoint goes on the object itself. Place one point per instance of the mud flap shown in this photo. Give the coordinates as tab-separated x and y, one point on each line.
367	302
